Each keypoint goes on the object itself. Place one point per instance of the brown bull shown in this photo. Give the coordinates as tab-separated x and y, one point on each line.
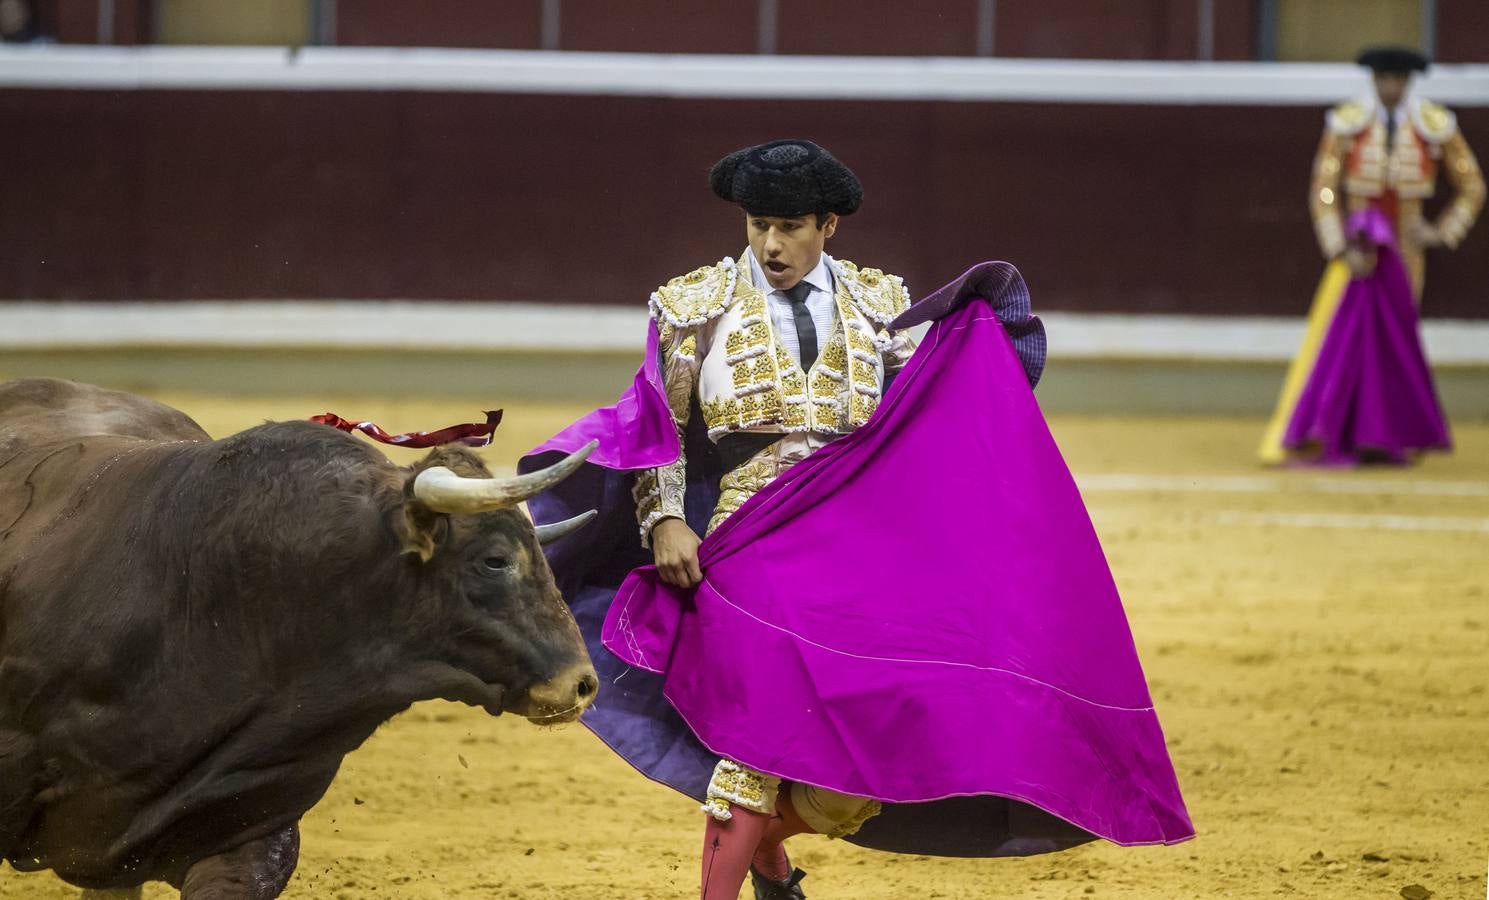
193	633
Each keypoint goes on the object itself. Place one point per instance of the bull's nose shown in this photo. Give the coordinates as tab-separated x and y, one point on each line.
566	696
589	686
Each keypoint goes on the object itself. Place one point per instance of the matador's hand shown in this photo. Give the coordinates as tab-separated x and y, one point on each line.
674	546
1425	234
1361	261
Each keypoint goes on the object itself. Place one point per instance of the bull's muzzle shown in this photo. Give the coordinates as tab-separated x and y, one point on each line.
563	698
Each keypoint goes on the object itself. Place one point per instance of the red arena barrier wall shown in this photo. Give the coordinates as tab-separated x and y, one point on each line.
188	194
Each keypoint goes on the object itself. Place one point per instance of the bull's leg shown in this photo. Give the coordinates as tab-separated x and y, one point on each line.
18	773
134	893
258	870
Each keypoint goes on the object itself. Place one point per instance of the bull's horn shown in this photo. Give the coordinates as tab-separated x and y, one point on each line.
547	534
443	491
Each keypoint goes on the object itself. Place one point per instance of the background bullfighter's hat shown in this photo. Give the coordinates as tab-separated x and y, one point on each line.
1400	60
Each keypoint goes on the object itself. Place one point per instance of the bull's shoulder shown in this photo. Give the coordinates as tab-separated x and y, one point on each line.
692	299
36	410
37	393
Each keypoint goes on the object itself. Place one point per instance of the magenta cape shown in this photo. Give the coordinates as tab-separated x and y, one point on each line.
919	613
1370	392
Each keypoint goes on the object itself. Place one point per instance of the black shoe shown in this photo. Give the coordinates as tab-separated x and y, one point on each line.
770	889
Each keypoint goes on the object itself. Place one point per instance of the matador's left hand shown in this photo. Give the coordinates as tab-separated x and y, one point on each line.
1424	234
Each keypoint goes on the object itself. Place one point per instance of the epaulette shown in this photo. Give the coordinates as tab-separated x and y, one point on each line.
879	296
1349	118
696	297
1434	122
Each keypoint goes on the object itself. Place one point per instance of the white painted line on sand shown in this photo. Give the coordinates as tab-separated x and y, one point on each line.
1279	484
1354	521
1312	520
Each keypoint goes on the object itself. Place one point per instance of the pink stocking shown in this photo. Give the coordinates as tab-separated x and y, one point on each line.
770	858
727	849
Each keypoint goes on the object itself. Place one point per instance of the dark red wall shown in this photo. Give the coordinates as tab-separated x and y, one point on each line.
1098	29
72	21
1141	29
659	26
510	24
854	27
76	21
1235	30
216	194
1462	31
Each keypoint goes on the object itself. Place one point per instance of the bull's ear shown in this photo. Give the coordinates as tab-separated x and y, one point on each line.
419	525
420	529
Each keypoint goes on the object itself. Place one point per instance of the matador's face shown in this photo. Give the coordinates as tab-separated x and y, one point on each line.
788	248
1390	87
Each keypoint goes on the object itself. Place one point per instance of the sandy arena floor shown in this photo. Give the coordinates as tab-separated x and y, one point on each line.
1317	644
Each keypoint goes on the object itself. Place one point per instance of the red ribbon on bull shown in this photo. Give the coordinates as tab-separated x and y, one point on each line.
471	434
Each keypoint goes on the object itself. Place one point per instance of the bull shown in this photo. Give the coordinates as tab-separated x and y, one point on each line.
195	632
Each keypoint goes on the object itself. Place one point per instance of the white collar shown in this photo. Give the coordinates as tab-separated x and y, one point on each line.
820	277
1401	113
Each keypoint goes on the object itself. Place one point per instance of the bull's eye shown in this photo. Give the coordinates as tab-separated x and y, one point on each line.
496	563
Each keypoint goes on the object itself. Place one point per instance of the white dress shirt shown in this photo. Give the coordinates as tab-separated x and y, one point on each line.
819	303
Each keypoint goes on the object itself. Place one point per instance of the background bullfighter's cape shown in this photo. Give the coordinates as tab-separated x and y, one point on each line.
1360	382
919	612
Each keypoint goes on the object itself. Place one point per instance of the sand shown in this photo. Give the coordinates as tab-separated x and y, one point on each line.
1317	645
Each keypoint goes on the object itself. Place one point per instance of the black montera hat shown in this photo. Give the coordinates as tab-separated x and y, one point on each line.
786	178
1392	59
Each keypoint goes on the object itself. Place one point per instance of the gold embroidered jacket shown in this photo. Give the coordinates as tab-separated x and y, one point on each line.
719	344
1354	169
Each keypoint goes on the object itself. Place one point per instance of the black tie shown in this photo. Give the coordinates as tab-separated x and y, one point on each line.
806	329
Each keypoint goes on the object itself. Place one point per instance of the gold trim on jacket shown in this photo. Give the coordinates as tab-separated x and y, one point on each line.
757	384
